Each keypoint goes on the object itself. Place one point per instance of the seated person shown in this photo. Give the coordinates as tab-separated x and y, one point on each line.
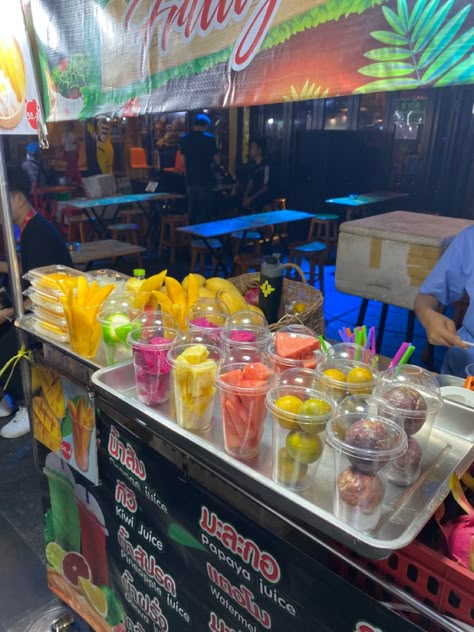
450	280
41	245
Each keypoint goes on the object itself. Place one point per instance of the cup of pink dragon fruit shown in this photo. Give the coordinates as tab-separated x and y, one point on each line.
245	333
150	346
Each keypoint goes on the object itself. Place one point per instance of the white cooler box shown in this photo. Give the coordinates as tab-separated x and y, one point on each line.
387	257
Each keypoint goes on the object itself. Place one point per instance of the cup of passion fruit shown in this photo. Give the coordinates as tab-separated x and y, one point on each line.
364	444
299	417
342	377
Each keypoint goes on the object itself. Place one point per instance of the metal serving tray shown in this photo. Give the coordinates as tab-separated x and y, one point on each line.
406	509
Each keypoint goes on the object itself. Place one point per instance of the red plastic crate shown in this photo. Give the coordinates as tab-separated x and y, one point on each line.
433	579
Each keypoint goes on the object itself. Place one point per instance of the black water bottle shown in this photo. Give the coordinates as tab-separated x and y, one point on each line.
270	288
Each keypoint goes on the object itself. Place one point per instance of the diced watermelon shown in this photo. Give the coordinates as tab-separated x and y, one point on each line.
256	371
233	378
294	346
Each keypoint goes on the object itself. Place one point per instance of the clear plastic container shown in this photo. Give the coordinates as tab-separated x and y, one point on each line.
115	318
294	346
364	446
244	317
412	397
299	417
245	335
106	277
340	377
245	354
47	279
206	316
47	301
350	351
47	318
194	373
49	331
298	377
243	388
150	346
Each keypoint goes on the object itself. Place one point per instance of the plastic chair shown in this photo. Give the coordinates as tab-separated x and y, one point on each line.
138	158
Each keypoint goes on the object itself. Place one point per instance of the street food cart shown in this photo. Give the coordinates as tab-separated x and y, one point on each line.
152	527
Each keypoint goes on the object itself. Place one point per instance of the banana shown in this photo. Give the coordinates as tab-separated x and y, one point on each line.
234	301
216	283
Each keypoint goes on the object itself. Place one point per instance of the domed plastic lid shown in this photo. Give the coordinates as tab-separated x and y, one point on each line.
350	351
245	317
297	377
396	385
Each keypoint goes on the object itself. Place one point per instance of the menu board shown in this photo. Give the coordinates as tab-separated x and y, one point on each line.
19	102
151	549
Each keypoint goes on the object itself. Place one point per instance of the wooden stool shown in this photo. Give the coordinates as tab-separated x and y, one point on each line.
169	237
245	262
74	219
252	238
126	232
316	253
199	250
327	227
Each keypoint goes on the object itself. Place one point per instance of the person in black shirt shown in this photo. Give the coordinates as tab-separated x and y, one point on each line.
40	245
257	196
199	150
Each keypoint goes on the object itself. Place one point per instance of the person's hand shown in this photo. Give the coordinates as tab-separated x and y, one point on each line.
441	330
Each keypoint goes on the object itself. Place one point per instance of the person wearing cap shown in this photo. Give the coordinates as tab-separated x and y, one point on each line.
33	166
451	279
40	245
199	151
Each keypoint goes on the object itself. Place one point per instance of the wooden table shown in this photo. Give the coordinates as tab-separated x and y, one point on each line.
95	208
363	201
103	249
210	230
95	251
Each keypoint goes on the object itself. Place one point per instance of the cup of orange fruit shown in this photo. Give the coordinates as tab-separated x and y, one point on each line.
299	416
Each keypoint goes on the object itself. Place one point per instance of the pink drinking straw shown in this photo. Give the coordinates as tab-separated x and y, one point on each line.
398	356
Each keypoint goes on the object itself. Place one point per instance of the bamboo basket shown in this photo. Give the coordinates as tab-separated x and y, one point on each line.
299	291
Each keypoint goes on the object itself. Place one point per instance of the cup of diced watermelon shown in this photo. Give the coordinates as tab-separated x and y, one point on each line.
150	346
299	415
243	388
194	370
290	349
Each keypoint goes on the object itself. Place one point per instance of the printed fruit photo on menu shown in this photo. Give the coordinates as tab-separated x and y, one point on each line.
12	82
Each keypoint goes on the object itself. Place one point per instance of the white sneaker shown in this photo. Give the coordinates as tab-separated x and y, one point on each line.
6	406
18	426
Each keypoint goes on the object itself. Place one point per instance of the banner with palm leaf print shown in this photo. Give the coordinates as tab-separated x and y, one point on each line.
132	57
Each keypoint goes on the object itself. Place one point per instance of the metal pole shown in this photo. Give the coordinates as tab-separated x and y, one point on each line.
15	281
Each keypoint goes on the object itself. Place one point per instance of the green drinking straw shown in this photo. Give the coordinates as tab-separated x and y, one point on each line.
323	344
407	355
364	335
358	334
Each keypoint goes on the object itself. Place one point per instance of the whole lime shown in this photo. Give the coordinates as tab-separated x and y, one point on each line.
304	447
288	404
289	471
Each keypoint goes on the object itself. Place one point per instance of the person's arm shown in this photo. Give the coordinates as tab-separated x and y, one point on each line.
440	329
